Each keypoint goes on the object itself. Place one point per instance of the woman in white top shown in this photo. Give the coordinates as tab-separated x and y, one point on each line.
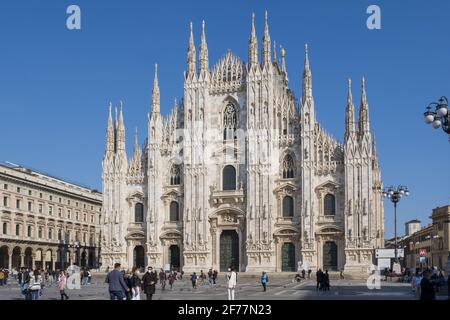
231	285
35	285
415	284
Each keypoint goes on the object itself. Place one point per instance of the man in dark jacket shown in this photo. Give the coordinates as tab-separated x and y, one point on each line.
117	285
319	279
427	291
149	281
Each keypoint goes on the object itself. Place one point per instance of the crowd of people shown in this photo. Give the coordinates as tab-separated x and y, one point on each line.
425	284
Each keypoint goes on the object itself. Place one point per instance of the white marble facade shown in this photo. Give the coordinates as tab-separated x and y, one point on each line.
240	174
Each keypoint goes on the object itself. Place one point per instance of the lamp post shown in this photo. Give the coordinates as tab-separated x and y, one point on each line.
440	117
395	194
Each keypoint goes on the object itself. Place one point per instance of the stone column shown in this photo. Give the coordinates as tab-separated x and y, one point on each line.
22	260
54	257
33	261
10	261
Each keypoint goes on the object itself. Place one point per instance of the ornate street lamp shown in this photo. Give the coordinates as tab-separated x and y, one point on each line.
395	194
440	117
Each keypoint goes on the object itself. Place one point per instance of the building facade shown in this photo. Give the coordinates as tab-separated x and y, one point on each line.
241	174
430	246
47	222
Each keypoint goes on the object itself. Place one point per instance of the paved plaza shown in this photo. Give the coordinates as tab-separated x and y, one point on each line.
248	289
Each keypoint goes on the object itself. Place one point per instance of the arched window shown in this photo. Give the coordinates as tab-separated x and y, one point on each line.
139	212
17	229
329	204
5	228
229	122
175	175
29	231
288	167
50	233
229	178
288	206
174	211
59	234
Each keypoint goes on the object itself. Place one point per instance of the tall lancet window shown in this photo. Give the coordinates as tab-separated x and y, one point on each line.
175	175
229	178
174	214
288	206
329	205
139	212
288	167
229	122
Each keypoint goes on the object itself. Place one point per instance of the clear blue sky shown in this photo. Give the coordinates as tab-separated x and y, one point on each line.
55	84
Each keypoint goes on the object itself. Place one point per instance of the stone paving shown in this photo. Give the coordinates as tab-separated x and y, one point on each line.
248	289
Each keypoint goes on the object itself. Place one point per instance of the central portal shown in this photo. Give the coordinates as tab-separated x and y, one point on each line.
229	250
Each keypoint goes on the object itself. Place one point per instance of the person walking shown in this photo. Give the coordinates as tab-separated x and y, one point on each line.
210	277
232	281
136	284
415	284
117	285
2	277
309	273
62	285
194	280
202	277
326	281
149	281
303	274
319	279
35	285
162	279
215	275
264	280
427	291
172	277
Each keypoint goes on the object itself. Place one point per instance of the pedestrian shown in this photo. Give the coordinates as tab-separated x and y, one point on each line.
326	281
194	280
162	279
303	274
427	290
448	286
35	285
136	284
2	277
117	285
172	277
264	280
202	277
127	278
319	279
62	285
232	281
415	284
89	276
149	281
341	274
210	277
215	274
85	277
309	273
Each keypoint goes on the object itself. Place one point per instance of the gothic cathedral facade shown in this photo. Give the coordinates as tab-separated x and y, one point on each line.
239	174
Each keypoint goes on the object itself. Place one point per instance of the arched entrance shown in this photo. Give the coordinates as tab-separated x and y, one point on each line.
16	258
4	257
229	250
28	260
330	254
288	257
139	257
174	257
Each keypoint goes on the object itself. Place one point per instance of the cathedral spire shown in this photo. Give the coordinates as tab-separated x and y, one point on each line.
275	51
121	131
283	61
155	92
203	51
110	133
266	56
363	117
307	79
136	146
349	114
253	45
191	59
